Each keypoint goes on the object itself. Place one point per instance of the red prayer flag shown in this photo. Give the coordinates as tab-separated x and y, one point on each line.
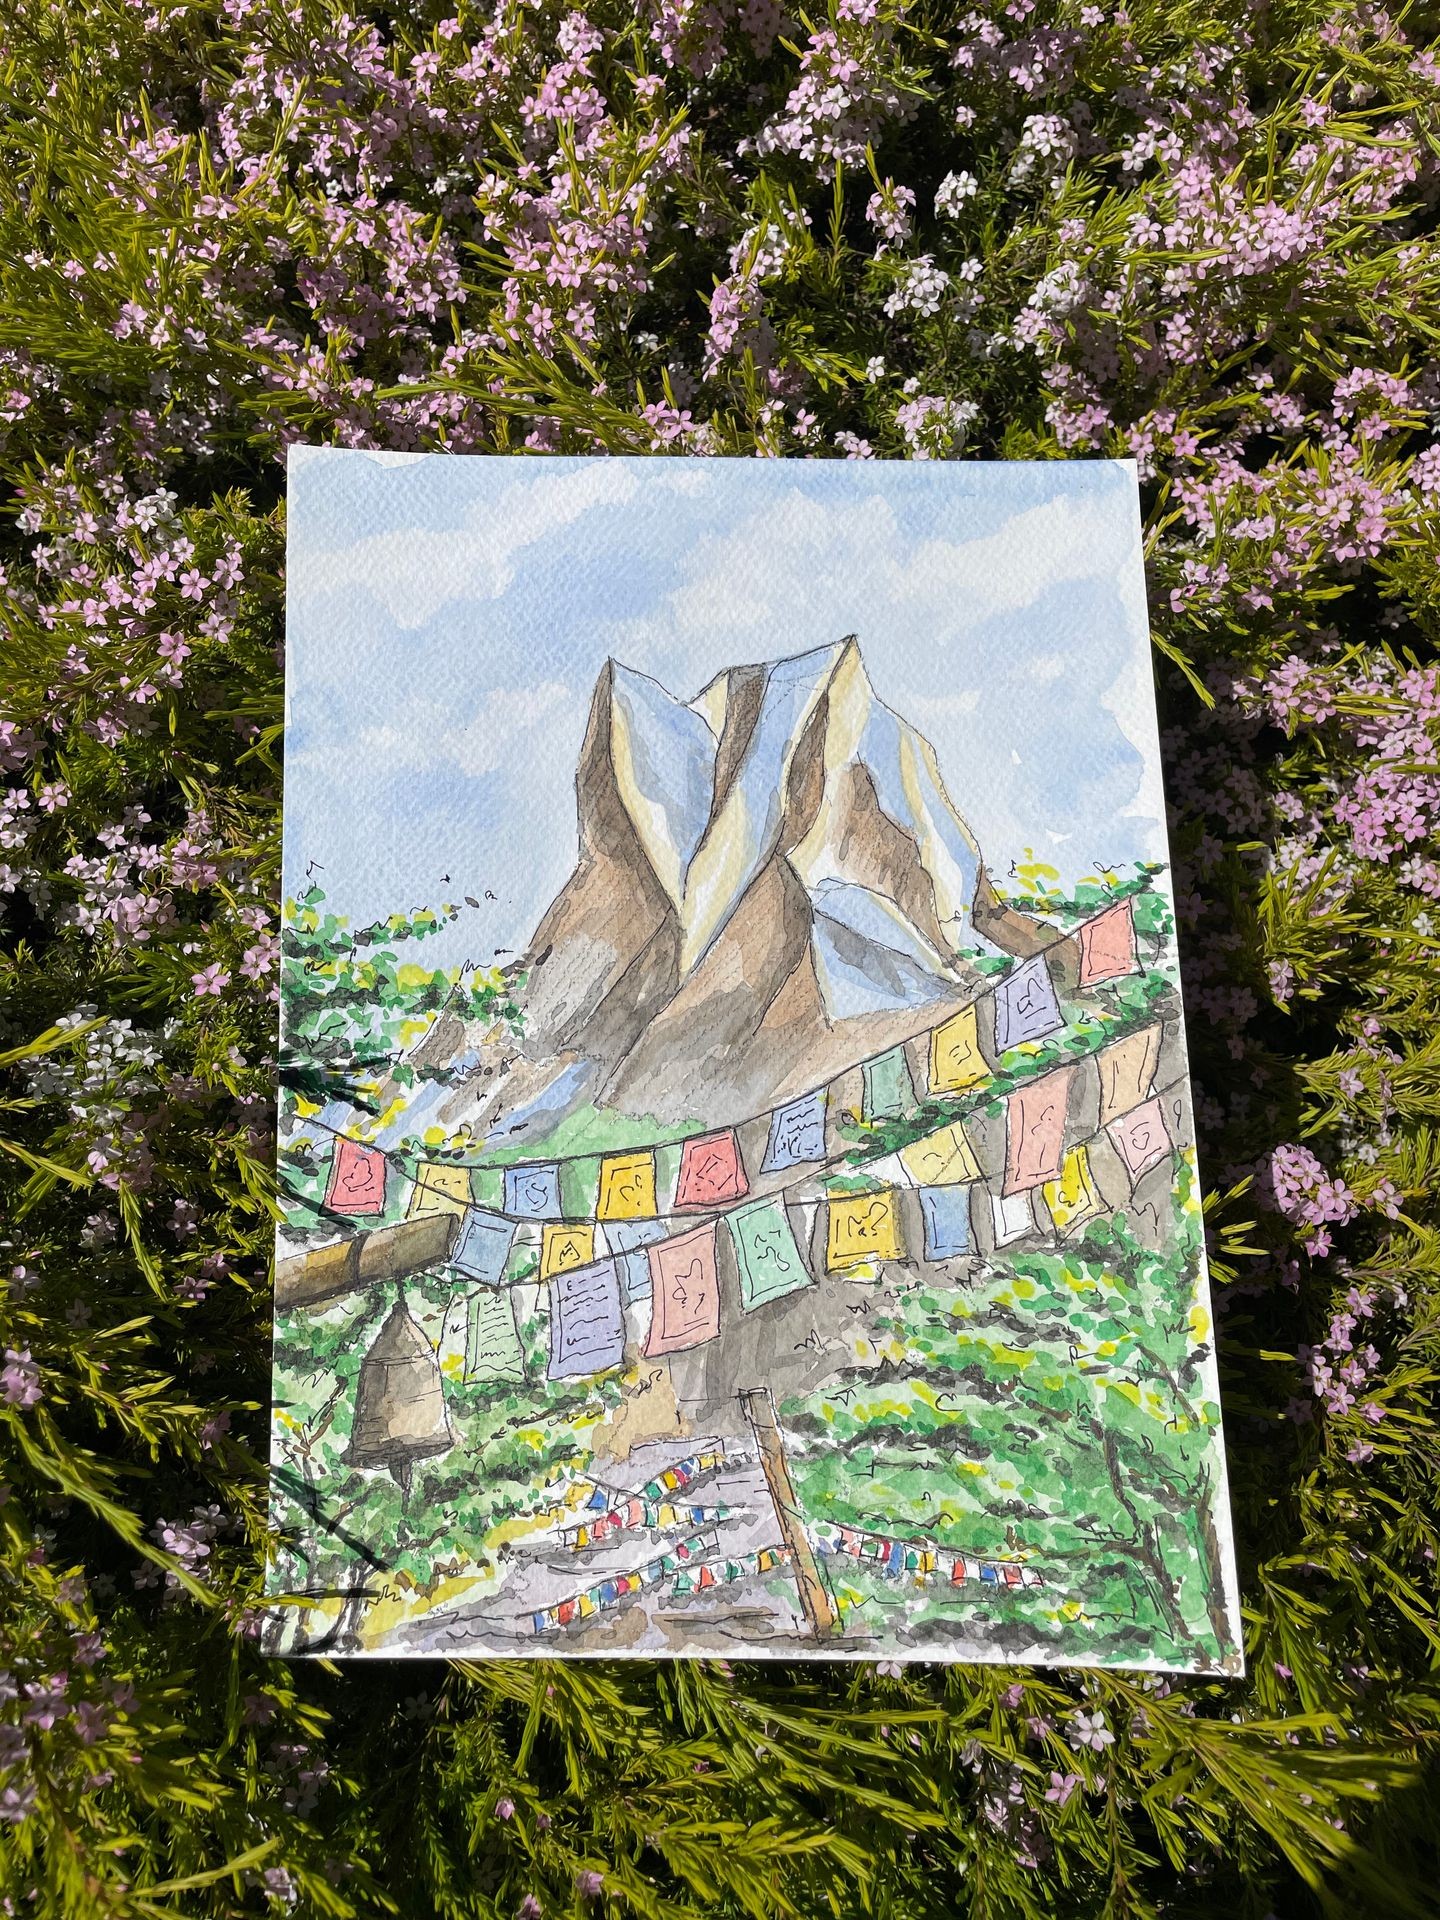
686	1292
711	1171
1035	1130
357	1179
1107	945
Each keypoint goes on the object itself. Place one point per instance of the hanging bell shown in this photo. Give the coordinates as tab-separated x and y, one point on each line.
399	1402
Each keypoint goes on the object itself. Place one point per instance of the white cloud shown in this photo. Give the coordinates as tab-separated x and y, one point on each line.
421	733
792	576
414	572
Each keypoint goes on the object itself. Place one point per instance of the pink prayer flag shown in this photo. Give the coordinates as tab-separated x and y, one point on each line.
1035	1130
711	1171
1141	1138
686	1311
1107	945
357	1179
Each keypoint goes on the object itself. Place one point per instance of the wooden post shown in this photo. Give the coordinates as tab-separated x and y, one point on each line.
388	1253
815	1599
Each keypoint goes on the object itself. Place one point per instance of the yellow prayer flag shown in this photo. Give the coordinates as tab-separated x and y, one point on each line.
861	1227
439	1189
942	1159
956	1062
1074	1197
563	1247
1127	1072
627	1187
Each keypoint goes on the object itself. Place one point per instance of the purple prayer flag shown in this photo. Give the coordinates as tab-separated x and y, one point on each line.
587	1326
1025	1005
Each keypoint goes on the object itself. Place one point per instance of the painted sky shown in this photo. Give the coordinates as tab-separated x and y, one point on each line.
448	616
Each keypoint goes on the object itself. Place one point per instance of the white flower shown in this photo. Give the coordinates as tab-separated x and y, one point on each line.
875	367
1090	1730
952	193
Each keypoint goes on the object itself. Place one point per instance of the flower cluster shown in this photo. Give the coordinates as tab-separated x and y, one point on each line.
1033	229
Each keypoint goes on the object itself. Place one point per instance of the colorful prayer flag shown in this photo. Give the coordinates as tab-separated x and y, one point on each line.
565	1246
627	1240
861	1227
1107	945
1127	1071
627	1187
1073	1198
711	1171
357	1179
533	1192
1035	1130
492	1344
484	1247
956	1062
1011	1216
888	1089
686	1310
1141	1138
941	1159
587	1327
440	1189
797	1133
1025	1005
946	1213
766	1255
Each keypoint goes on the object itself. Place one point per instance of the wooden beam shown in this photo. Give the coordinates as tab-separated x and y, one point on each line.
346	1266
819	1609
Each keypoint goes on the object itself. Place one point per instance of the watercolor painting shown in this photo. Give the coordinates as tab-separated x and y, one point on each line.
738	1179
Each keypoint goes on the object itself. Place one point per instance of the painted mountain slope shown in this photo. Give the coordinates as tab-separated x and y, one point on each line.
772	884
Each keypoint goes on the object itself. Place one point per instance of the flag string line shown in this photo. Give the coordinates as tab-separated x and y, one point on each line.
394	1154
697	1219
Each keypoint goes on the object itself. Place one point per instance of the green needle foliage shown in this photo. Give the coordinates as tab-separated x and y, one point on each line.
1202	238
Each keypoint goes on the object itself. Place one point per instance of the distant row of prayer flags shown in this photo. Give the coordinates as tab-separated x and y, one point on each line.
920	1561
718	1573
1024	1009
635	1514
620	1586
686	1571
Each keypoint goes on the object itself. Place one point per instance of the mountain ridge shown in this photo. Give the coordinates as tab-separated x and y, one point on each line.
772	884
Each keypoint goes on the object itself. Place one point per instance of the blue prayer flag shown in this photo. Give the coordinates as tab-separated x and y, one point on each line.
797	1133
946	1213
484	1246
533	1192
628	1240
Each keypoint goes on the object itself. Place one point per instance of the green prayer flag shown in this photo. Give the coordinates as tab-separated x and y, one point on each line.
492	1344
889	1090
769	1261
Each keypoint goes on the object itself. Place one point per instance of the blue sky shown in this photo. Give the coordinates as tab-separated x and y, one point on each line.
448	616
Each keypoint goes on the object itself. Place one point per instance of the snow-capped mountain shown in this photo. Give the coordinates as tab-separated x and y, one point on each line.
773	884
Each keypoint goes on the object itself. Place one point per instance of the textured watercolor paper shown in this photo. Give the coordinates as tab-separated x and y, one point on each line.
678	845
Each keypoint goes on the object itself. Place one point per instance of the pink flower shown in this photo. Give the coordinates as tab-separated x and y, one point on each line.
213	979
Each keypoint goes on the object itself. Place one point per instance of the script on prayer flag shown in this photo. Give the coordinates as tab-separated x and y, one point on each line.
357	1180
956	1062
440	1189
1025	1005
1107	945
797	1134
766	1255
587	1323
492	1344
1035	1130
862	1227
686	1305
